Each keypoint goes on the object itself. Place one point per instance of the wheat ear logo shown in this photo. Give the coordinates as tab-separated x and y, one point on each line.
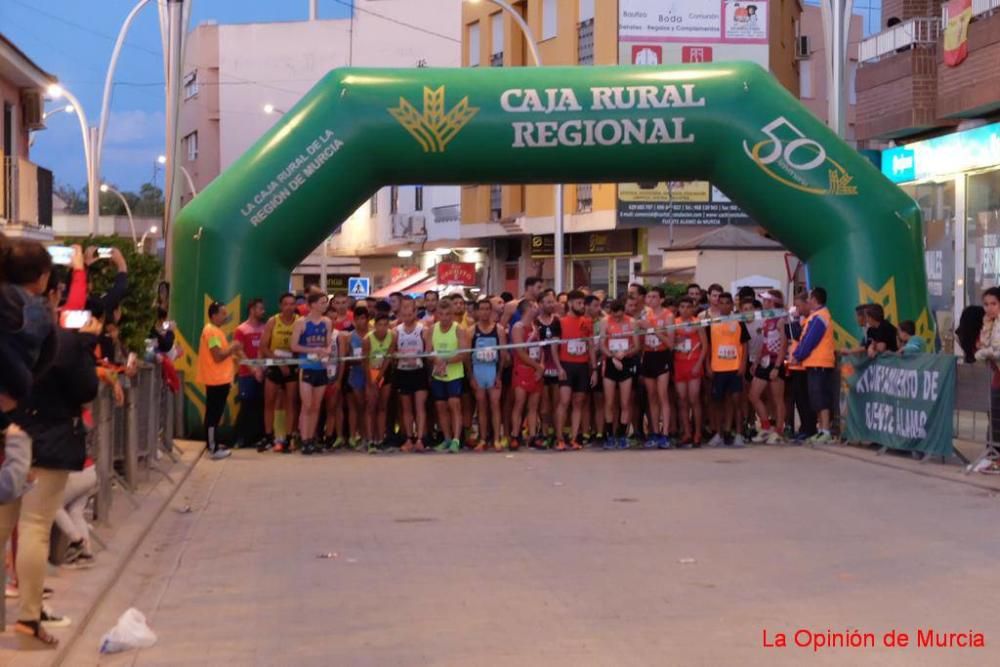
434	128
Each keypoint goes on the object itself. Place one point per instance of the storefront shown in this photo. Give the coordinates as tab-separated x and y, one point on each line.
605	261
955	179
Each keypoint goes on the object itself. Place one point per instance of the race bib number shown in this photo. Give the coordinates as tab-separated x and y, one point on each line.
652	340
618	345
357	351
486	355
535	353
375	362
727	352
576	347
685	345
765	361
331	371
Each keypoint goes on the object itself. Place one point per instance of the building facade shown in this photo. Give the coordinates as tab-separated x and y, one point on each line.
608	243
239	78
935	115
25	187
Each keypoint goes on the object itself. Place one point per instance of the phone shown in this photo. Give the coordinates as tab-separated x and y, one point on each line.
132	359
74	319
104	253
61	254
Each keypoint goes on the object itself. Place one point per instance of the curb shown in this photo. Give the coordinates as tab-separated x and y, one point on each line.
67	644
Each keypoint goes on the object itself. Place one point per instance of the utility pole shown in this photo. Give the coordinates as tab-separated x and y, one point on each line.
836	26
173	26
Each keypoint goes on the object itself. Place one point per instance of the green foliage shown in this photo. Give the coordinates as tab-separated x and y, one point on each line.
148	202
139	305
675	290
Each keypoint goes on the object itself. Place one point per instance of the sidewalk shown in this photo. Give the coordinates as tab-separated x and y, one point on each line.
79	592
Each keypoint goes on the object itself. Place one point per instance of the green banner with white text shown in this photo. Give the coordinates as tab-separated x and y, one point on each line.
901	402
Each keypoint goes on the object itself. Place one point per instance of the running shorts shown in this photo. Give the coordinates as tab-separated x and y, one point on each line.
611	372
274	374
442	390
485	375
765	373
655	363
820	388
685	369
725	384
525	378
409	382
315	377
577	377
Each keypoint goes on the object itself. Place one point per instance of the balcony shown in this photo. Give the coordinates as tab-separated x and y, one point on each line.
970	90
26	198
897	81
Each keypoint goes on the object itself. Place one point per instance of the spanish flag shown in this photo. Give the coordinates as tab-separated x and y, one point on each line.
956	34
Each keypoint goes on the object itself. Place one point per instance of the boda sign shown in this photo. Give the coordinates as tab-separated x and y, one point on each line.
456	273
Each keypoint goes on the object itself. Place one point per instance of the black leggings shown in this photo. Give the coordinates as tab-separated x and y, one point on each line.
801	404
215	406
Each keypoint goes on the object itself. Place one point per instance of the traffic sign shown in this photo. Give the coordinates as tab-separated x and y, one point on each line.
359	287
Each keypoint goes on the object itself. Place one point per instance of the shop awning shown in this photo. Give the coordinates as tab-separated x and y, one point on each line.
402	285
419	289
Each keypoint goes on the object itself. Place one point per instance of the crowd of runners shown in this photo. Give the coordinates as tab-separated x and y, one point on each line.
546	370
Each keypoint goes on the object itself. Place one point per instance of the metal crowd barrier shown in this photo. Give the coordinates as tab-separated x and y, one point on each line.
976	419
128	441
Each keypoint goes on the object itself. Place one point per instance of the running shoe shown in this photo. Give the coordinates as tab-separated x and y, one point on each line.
515	444
774	439
279	447
623	443
53	620
308	448
480	447
762	436
717	441
663	442
355	443
610	443
265	443
373	447
821	438
220	454
407	446
501	444
738	442
443	447
561	446
575	445
81	562
651	443
455	447
991	468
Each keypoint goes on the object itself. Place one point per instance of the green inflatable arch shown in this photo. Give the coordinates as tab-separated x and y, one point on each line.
731	123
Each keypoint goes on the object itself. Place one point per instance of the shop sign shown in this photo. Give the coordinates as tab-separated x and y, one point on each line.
615	242
941	156
456	273
677	202
705	21
336	283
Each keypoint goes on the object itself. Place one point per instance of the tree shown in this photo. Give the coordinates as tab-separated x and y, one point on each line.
147	203
76	200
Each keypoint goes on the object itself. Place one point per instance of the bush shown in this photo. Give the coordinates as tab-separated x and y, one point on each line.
139	304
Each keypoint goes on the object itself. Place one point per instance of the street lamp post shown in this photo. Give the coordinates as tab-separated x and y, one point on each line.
142	242
187	175
68	108
836	16
529	37
55	92
128	210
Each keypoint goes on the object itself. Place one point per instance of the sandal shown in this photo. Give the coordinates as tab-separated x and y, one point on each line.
35	630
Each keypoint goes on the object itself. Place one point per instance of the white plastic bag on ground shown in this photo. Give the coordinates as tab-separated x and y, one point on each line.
129	632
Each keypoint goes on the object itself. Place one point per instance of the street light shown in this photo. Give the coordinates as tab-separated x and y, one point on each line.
69	108
142	242
128	210
529	37
271	109
187	175
55	91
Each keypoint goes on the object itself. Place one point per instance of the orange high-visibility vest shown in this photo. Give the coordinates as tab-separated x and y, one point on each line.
824	354
727	348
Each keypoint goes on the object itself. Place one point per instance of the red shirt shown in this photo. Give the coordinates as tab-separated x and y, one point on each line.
575	351
249	336
619	334
652	342
687	340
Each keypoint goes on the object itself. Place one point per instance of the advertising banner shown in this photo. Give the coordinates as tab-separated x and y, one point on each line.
683	202
456	273
901	402
658	32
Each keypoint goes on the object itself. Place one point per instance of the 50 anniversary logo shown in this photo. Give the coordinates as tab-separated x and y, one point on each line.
781	155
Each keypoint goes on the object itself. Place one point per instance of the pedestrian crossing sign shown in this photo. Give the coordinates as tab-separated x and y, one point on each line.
358	287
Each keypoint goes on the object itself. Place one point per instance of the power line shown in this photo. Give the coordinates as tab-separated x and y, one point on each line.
350	3
80	26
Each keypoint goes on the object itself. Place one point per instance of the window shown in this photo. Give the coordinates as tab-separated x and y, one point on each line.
852	83
394	199
586	10
584	198
418	198
191	145
496	202
549	18
585	42
373	205
473	43
805	79
496	30
191	84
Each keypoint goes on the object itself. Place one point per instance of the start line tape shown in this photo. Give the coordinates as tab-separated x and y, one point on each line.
700	324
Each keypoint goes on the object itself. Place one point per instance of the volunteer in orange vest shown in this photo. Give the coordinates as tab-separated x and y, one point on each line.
727	364
216	369
817	354
798	379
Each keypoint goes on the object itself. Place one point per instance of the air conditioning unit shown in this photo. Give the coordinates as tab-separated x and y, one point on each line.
401	226
418	225
34	109
803	48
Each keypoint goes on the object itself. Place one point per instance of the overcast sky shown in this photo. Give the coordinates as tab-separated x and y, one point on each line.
73	39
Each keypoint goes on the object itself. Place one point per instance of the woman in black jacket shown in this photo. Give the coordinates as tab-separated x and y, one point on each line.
52	416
